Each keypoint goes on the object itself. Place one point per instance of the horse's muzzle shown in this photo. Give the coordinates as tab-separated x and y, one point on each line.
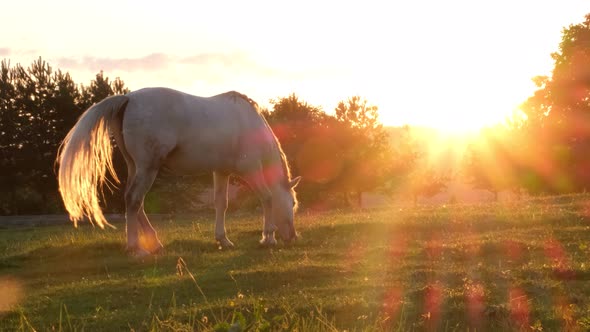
292	236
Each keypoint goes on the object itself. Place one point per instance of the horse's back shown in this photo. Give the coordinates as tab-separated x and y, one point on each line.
168	107
189	133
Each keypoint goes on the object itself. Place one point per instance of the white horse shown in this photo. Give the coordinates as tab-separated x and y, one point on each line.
162	128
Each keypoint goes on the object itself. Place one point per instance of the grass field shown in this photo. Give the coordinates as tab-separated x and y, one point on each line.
520	266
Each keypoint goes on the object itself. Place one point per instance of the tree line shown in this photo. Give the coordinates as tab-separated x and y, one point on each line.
546	149
339	155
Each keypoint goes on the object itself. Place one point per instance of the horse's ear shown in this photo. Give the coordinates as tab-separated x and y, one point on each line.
293	183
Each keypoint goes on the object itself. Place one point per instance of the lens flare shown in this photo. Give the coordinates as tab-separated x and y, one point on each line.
434	247
519	307
398	246
392	302
475	302
560	263
512	250
433	298
12	293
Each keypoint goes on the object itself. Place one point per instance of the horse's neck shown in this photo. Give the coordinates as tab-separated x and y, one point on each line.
278	159
277	190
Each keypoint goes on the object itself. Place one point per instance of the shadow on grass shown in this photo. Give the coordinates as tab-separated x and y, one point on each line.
131	294
193	246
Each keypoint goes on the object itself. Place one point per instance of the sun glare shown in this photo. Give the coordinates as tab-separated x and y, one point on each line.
441	75
459	125
457	122
456	101
465	123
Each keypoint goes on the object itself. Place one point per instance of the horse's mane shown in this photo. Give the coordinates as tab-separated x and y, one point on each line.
284	163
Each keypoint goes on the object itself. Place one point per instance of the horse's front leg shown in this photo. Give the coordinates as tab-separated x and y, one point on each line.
258	184
220	183
268	231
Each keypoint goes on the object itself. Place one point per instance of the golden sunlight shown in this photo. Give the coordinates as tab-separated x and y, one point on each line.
456	73
460	121
456	101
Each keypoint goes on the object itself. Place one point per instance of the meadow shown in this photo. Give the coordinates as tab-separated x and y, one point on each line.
498	266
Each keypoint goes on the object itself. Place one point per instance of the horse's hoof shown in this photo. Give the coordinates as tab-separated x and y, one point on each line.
159	249
267	242
137	252
225	244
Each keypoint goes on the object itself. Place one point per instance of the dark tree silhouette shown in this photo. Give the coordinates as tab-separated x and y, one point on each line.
38	106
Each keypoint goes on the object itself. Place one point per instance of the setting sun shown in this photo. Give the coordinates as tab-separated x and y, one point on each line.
469	112
455	65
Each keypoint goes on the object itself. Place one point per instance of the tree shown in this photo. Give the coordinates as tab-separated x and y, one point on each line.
424	181
558	124
489	163
38	106
305	133
357	113
45	108
370	161
8	137
100	88
339	156
293	120
418	175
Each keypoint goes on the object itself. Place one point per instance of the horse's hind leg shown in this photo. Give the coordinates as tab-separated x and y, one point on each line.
149	240
220	183
134	195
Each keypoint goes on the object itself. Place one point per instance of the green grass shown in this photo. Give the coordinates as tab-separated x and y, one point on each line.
521	266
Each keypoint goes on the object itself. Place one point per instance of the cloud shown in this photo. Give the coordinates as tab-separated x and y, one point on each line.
161	61
155	61
210	66
211	58
5	51
208	73
230	63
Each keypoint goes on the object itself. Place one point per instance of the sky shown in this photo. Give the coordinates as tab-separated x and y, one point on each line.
449	64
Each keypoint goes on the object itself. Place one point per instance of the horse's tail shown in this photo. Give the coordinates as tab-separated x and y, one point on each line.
84	157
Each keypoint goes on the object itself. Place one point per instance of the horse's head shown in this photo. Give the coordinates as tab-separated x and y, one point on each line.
283	210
